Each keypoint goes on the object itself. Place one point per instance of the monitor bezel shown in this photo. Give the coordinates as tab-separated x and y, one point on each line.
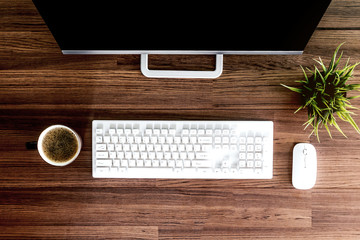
178	52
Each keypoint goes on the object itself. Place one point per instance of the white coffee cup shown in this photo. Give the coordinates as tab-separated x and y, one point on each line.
45	136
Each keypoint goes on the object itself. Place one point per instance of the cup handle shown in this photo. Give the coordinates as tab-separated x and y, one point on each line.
31	145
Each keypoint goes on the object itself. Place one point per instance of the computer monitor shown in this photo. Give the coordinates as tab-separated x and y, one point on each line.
182	27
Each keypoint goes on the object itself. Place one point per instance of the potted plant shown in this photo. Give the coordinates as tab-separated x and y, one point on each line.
324	94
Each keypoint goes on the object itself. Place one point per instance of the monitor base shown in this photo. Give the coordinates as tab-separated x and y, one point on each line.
180	74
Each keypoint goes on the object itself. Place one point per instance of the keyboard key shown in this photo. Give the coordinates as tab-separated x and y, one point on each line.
136	155
147	163
104	163
197	147
258	140
193	140
118	147
202	155
258	148
111	147
142	147
128	155
151	155
161	139
209	131
250	156
99	139
116	163
173	147
187	163
185	140
135	131
178	163
204	170
157	147
120	155
177	139
139	163
107	139
102	154
146	139
124	163
250	164
258	164
175	155
163	163
102	170
225	164
202	163
205	147
138	139
132	163
225	140
242	164
100	147
185	132
171	163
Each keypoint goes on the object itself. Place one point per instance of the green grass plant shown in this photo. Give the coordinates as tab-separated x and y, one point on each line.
324	94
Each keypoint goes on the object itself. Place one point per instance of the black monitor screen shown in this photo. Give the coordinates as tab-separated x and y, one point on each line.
221	26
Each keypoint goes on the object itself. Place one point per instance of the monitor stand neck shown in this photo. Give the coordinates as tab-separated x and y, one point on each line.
181	74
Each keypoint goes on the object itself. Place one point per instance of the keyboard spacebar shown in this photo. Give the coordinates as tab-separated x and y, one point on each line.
143	172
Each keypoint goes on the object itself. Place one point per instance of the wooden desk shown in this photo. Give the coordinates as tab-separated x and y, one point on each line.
39	87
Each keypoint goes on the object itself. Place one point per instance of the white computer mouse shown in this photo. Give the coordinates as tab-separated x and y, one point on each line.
304	166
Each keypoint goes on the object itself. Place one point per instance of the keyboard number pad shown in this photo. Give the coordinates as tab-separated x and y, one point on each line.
250	154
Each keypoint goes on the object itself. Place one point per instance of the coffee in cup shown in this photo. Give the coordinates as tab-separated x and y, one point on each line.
59	145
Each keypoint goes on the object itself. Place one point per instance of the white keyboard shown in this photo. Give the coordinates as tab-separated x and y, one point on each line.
182	149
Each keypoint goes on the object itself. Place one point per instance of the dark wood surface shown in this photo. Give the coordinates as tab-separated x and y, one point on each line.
39	87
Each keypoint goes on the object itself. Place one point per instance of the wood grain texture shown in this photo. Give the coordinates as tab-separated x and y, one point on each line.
39	87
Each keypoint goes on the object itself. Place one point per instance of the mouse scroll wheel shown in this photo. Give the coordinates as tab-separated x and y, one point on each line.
305	151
